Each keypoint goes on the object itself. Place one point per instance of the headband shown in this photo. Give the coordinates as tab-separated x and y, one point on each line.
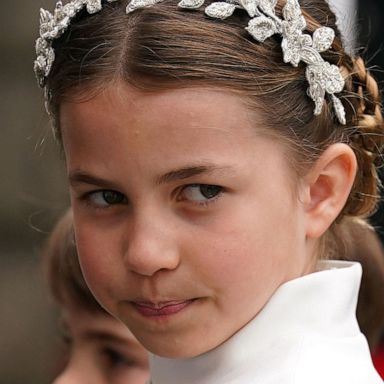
323	78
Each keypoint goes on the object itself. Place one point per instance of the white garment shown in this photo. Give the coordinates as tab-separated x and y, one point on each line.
346	14
306	334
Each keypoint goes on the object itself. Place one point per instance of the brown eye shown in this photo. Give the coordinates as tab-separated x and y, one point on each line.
106	198
201	193
209	191
117	359
112	197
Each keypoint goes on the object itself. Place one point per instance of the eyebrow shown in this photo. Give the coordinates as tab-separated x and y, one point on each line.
187	172
81	177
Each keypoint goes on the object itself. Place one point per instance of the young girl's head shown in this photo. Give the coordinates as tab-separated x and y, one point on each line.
102	350
201	178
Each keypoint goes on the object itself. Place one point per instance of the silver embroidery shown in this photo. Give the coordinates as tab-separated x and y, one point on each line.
261	27
220	10
137	4
190	4
52	26
323	78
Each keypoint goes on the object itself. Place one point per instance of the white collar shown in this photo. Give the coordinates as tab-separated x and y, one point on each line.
321	304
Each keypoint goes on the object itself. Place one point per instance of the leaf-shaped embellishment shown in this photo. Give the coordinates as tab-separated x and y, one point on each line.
70	9
137	4
50	58
251	7
323	38
268	6
310	55
334	80
292	11
316	90
339	110
93	6
43	65
191	4
220	10
40	45
47	22
45	16
261	28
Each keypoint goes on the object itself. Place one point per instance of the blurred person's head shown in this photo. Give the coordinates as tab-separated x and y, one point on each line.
101	349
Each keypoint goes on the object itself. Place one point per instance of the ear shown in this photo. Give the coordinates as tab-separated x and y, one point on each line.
327	187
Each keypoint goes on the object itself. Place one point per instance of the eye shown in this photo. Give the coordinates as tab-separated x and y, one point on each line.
117	359
106	198
200	193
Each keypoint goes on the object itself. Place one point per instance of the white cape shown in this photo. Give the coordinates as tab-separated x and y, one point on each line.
306	334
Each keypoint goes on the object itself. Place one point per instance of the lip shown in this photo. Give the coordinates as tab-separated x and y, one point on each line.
161	309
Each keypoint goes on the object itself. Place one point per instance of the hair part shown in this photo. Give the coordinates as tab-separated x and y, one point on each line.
163	47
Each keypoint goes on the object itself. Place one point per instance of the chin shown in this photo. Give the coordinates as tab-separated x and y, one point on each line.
173	348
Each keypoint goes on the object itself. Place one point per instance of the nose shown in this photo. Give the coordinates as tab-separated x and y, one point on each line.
67	377
151	246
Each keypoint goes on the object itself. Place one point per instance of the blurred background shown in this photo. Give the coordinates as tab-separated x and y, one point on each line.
33	190
32	195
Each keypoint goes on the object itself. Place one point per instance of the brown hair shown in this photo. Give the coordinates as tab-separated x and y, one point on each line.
62	268
164	47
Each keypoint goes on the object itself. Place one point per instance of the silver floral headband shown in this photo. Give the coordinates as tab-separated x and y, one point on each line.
52	26
323	78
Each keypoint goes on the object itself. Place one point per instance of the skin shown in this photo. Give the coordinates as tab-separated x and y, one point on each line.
102	351
156	239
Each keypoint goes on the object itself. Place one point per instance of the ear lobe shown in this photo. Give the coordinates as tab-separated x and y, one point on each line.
328	185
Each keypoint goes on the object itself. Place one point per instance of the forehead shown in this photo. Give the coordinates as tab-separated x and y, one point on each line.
121	129
184	107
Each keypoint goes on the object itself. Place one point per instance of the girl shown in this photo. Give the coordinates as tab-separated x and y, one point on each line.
212	164
102	350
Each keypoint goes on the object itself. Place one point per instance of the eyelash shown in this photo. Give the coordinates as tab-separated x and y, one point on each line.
201	203
116	358
90	197
218	191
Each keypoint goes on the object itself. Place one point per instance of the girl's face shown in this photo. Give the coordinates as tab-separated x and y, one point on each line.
186	219
102	351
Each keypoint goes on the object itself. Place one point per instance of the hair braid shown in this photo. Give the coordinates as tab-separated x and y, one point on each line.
366	137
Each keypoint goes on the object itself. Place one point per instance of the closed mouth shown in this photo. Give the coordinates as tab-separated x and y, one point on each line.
164	308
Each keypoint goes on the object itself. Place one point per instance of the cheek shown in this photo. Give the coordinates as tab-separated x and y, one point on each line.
229	250
242	248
